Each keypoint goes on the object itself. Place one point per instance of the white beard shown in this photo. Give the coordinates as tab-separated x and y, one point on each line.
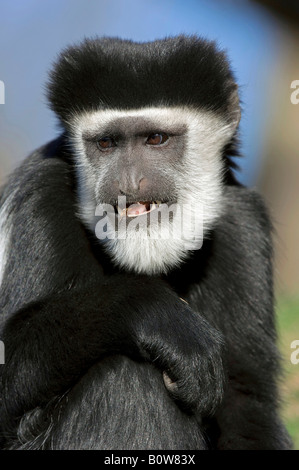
156	246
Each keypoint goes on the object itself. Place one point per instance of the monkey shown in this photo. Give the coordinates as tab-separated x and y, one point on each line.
136	271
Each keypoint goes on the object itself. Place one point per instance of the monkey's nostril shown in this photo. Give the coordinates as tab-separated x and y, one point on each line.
143	183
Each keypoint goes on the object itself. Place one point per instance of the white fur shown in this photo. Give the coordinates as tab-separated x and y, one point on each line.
199	185
5	231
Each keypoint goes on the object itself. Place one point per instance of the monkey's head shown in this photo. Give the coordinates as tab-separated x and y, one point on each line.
148	124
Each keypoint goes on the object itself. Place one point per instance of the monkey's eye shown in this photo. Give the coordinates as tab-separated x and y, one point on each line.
157	139
105	143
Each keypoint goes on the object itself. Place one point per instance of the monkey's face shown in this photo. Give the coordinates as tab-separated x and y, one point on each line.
148	123
150	181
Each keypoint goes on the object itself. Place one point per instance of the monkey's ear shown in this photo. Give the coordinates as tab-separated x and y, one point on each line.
234	108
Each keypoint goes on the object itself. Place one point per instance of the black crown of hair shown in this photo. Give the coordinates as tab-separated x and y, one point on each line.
111	73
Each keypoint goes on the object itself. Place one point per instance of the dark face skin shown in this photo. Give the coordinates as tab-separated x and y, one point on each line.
140	158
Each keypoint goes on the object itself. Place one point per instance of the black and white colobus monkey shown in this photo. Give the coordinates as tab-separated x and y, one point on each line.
138	342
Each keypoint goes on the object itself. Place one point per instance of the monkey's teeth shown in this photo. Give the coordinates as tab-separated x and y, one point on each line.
127	212
122	212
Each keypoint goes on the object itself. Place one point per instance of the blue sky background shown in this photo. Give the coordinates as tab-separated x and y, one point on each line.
33	32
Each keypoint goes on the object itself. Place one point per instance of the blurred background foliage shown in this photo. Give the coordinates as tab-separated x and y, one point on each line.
262	40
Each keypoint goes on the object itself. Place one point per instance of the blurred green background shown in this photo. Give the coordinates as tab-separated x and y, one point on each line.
288	326
262	41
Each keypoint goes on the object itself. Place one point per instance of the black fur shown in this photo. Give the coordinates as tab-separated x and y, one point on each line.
115	73
86	344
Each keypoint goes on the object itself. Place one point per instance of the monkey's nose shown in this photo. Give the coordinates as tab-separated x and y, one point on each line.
132	185
143	184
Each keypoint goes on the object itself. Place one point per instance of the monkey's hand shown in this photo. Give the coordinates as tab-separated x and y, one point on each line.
52	342
180	343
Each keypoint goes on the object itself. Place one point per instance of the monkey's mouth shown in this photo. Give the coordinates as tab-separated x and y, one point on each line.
138	208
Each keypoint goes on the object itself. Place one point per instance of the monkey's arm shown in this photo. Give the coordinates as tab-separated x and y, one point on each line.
51	343
62	314
241	305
